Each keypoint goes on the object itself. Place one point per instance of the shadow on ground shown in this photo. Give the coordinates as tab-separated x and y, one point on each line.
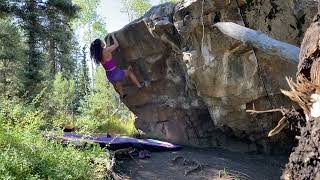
190	163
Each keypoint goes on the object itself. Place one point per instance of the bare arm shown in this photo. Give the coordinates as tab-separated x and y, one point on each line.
107	41
115	44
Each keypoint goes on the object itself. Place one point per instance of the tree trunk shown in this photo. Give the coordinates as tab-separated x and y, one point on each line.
32	74
304	161
52	56
260	41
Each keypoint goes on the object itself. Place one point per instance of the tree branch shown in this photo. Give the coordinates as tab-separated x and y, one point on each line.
261	41
262	112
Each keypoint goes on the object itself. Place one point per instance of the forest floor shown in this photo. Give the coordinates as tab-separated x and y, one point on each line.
191	163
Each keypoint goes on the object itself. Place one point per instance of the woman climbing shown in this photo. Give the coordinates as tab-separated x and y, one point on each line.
102	54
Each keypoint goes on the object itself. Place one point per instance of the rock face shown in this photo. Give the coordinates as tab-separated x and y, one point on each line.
200	83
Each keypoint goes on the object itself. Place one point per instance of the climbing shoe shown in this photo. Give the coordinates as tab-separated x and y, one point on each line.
143	84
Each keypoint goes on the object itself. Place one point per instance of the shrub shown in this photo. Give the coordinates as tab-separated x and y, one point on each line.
103	112
27	155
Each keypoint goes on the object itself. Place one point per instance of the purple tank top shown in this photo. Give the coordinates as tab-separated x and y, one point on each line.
109	65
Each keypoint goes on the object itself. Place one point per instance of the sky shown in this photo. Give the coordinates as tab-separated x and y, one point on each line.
110	10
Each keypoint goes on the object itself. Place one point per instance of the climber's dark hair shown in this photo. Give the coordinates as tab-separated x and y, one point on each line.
96	51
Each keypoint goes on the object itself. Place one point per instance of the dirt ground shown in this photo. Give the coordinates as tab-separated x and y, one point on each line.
190	163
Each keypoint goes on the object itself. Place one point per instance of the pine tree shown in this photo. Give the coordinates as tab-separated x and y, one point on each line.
12	58
33	31
59	34
84	75
46	27
61	97
82	80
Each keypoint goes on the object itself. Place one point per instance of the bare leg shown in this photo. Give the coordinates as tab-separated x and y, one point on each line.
118	87
132	77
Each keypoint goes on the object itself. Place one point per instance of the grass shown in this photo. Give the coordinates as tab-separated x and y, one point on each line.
113	125
26	154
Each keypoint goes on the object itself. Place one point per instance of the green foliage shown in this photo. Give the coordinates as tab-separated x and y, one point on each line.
98	29
46	27
88	18
103	111
4	8
112	125
99	112
62	95
59	102
31	24
59	35
82	80
14	112
135	8
93	26
66	7
12	58
87	13
103	101
40	90
26	154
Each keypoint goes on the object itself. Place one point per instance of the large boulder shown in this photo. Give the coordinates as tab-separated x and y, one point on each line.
200	82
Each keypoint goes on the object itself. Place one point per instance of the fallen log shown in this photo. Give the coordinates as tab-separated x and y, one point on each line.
261	41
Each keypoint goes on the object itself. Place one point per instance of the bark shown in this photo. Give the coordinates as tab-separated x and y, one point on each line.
260	41
52	55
